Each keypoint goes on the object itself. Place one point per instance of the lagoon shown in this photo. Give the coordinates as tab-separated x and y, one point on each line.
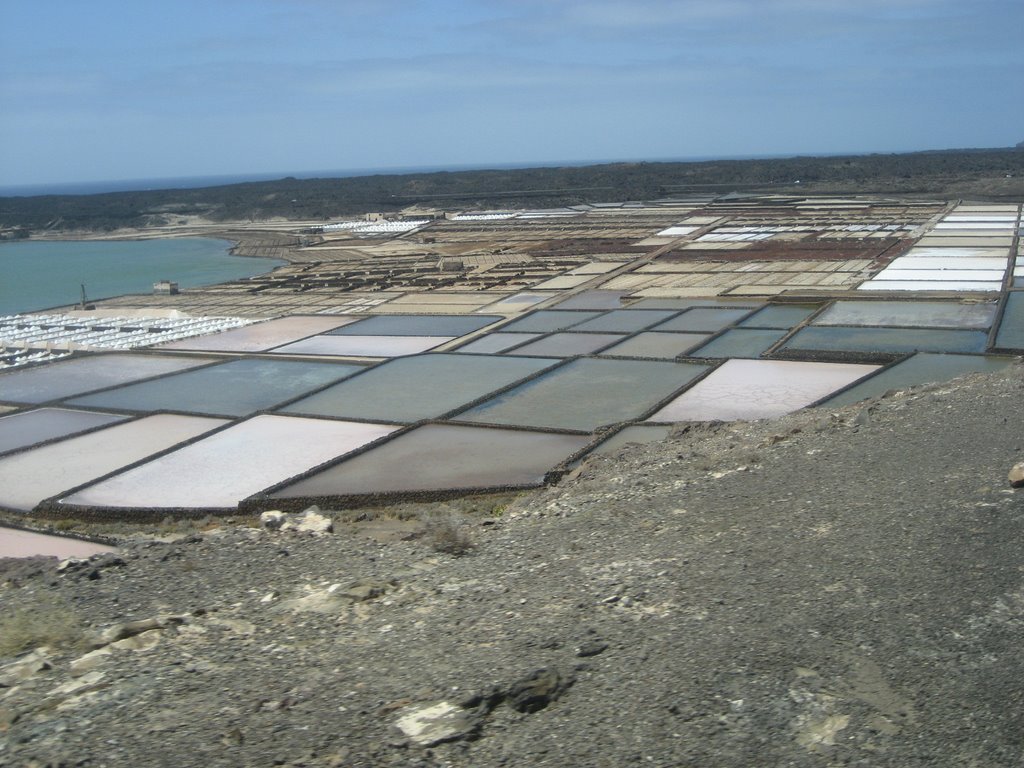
36	275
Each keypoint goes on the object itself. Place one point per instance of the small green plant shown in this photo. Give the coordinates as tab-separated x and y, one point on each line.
47	621
447	532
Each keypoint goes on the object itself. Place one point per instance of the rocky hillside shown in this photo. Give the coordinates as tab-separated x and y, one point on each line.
834	588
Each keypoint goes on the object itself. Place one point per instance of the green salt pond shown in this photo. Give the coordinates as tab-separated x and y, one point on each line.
657	345
922	368
567	344
886	340
703	319
416	325
1011	327
414	388
235	388
740	342
780	316
548	320
917	314
625	320
586	393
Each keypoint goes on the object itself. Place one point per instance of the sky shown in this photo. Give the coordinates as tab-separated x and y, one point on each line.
133	89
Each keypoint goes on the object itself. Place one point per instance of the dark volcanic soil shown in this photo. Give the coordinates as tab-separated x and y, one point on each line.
834	588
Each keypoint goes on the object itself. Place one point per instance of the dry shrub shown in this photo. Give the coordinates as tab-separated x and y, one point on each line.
447	532
47	621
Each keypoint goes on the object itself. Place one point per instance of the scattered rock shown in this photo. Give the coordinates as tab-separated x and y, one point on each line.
311	521
367	589
537	690
71	564
273	519
18	570
307	521
132	628
1016	476
591	648
91	566
90	661
432	724
91	681
143	641
24	669
329	600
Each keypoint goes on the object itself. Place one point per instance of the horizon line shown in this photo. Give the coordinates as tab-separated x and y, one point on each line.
159	183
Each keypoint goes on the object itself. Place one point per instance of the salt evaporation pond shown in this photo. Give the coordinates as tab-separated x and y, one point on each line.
657	345
740	342
567	344
759	389
260	337
29	477
235	388
18	543
586	393
1011	327
85	374
19	430
438	457
922	368
421	387
220	470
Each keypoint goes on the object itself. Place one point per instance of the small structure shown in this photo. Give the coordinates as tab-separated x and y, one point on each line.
450	265
165	288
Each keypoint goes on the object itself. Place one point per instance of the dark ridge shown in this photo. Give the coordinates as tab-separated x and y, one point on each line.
976	173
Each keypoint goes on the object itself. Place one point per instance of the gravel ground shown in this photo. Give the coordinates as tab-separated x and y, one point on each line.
833	588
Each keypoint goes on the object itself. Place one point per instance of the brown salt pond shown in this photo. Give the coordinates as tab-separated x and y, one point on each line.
437	457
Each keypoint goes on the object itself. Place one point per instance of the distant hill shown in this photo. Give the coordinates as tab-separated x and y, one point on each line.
978	173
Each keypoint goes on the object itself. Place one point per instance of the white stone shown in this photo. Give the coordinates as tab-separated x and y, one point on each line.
89	662
313	522
144	641
1016	476
272	519
23	669
435	723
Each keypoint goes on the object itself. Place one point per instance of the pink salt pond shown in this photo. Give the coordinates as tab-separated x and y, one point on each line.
263	336
18	543
759	389
31	476
224	468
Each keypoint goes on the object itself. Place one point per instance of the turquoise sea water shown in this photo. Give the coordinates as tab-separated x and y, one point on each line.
37	275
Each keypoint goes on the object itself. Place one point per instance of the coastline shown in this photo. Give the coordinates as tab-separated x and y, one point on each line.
233	243
237	242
